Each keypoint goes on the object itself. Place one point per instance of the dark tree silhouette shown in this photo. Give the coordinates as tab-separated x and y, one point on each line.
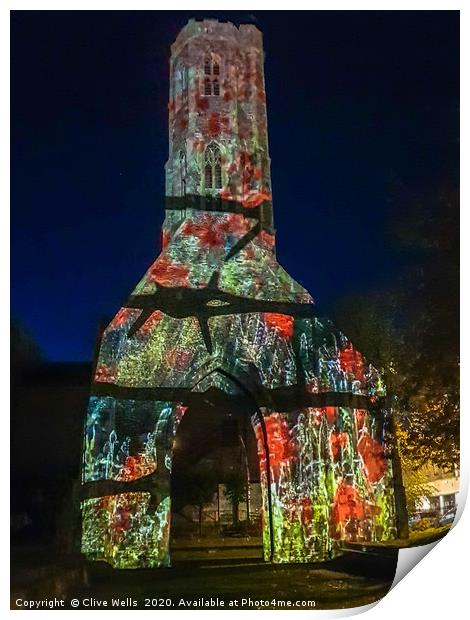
193	487
411	331
235	491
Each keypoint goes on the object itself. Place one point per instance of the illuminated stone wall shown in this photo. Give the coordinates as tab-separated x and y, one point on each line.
216	310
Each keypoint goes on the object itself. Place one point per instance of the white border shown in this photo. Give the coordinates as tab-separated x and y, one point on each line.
438	586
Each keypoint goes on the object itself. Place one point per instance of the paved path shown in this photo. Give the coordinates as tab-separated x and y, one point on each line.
346	582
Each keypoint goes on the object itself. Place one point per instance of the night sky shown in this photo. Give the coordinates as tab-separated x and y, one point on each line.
358	103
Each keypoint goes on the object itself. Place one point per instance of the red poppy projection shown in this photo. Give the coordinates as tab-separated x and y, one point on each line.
216	304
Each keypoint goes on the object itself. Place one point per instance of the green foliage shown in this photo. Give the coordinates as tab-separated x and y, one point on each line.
416	481
235	491
411	332
193	487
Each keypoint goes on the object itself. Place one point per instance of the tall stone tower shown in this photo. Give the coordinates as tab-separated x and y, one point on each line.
218	133
217	319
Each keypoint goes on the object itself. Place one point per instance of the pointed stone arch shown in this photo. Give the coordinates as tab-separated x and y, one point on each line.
228	390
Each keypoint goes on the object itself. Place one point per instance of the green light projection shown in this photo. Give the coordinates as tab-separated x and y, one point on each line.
214	304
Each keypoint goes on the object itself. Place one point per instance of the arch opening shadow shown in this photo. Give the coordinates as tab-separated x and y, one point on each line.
220	493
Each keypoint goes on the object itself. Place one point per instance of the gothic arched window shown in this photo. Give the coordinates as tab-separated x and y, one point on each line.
208	176
212	167
218	176
182	170
211	81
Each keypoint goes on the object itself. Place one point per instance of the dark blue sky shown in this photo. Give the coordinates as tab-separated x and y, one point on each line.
358	103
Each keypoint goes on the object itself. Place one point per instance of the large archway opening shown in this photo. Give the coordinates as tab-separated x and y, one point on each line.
216	494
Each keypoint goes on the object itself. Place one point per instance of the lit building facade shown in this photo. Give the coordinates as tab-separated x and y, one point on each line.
217	314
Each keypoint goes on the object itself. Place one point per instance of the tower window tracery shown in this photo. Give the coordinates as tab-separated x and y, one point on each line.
212	167
182	166
211	81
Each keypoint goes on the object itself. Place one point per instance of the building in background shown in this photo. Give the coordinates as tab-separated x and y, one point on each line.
441	497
